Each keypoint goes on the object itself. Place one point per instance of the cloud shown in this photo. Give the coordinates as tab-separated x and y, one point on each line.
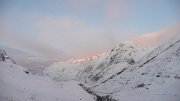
82	2
76	3
116	10
27	50
58	38
147	39
31	45
156	38
74	36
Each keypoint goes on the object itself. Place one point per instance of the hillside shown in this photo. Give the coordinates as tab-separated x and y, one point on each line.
126	73
18	84
155	77
130	70
92	69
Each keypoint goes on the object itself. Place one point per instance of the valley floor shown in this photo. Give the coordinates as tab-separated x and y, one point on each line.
16	85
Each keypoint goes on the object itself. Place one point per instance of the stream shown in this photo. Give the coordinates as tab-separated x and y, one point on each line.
98	97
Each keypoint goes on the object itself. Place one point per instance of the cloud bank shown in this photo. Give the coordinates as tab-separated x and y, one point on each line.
62	29
156	38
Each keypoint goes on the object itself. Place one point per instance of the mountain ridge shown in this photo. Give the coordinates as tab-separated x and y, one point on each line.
120	72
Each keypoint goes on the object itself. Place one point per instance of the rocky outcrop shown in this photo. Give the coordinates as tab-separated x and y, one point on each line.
5	57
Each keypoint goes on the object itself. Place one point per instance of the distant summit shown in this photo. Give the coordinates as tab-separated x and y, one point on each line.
87	69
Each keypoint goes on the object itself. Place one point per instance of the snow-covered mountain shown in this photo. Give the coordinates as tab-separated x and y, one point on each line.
17	84
125	54
70	69
92	69
129	70
126	73
155	77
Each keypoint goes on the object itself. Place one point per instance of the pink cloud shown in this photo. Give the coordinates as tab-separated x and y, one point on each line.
156	38
147	39
74	36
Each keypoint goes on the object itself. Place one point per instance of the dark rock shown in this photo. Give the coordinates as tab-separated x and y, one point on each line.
157	75
2	55
177	77
26	72
140	85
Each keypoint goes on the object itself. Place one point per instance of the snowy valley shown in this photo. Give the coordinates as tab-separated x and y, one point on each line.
128	72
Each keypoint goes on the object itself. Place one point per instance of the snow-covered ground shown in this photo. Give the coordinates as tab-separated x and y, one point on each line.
16	85
126	73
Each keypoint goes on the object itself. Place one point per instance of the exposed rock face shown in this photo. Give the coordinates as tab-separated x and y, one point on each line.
4	56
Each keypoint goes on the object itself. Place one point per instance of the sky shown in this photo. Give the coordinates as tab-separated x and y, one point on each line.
37	32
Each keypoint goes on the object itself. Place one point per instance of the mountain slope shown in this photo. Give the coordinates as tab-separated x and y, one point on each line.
129	73
124	55
155	77
17	84
97	69
69	70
